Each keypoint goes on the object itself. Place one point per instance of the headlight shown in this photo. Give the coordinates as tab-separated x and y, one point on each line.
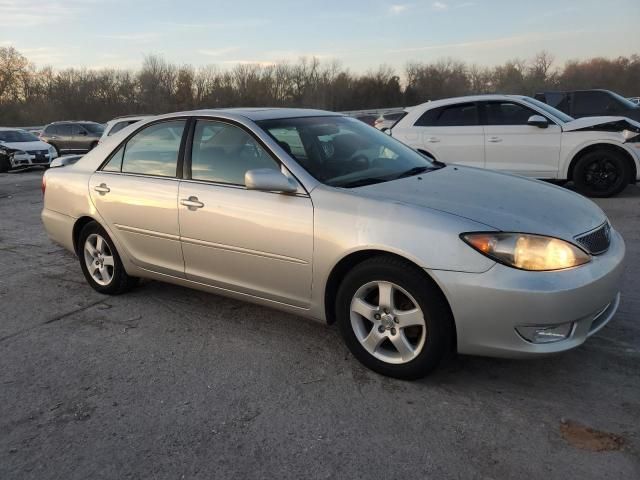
527	252
52	152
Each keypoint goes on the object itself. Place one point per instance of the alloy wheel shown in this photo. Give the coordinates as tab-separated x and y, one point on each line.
388	322
99	260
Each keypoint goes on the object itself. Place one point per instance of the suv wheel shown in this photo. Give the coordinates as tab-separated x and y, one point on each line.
601	173
392	319
5	164
100	262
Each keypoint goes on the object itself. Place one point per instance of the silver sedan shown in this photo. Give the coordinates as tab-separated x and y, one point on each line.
325	217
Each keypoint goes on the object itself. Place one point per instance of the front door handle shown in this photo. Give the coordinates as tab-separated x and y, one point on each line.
495	139
433	139
192	203
102	189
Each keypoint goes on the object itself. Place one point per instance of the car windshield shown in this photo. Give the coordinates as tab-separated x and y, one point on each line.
17	136
344	152
563	117
624	101
93	127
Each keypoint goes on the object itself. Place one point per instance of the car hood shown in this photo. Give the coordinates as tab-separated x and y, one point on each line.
35	145
606	124
501	201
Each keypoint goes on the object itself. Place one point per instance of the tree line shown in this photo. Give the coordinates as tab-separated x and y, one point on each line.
34	96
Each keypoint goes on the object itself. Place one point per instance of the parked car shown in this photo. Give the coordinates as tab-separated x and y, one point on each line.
520	135
19	148
591	103
369	119
319	215
387	120
117	124
72	136
635	100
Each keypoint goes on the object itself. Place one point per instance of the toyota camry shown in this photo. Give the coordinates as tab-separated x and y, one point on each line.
323	216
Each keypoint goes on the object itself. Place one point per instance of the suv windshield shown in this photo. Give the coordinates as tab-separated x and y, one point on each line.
563	117
93	127
17	136
344	152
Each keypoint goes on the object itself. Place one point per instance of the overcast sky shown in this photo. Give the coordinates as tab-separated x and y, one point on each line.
361	34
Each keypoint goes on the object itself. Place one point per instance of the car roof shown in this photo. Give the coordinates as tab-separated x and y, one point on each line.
57	122
468	98
256	114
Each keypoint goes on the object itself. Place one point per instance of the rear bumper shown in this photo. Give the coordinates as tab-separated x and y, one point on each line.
487	307
59	228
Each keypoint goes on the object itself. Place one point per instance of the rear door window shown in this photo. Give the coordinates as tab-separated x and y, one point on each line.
461	115
154	150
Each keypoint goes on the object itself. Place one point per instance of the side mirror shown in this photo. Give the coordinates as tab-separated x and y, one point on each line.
538	121
269	180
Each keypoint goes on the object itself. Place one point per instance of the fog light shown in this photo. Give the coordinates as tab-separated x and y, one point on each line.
546	333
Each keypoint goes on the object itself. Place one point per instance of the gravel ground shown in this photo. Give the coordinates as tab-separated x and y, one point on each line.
167	382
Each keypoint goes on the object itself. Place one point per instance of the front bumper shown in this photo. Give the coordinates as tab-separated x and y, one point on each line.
487	307
25	160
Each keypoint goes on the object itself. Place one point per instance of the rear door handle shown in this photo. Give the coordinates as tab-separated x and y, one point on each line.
495	139
102	188
192	203
433	139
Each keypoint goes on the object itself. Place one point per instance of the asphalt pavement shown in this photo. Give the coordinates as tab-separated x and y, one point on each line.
166	382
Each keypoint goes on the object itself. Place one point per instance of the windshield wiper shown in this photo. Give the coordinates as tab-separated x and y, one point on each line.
361	182
415	171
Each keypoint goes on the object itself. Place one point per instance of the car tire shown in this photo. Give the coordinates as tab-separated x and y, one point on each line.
601	173
100	262
411	337
5	164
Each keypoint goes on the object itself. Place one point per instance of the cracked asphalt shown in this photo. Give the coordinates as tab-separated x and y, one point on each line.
167	382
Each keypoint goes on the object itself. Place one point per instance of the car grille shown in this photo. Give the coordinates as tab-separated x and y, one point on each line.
596	241
37	152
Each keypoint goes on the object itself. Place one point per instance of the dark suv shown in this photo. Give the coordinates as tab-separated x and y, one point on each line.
72	137
591	103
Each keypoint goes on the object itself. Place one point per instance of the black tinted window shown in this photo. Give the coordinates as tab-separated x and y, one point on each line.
223	153
508	113
464	114
63	130
154	150
591	103
78	130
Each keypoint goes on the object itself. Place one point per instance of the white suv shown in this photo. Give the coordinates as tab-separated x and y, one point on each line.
520	135
119	123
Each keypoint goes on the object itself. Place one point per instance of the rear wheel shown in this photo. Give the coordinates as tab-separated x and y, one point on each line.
100	262
392	319
601	173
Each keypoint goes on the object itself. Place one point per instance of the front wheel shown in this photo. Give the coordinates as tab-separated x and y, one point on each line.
393	319
100	262
601	173
5	164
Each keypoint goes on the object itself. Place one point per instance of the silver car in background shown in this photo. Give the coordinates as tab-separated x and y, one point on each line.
323	216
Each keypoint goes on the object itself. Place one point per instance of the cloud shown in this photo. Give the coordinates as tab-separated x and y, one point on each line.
238	23
141	37
32	13
397	9
491	43
217	52
440	6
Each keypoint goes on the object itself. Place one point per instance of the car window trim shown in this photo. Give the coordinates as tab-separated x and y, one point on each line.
135	132
187	172
447	106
